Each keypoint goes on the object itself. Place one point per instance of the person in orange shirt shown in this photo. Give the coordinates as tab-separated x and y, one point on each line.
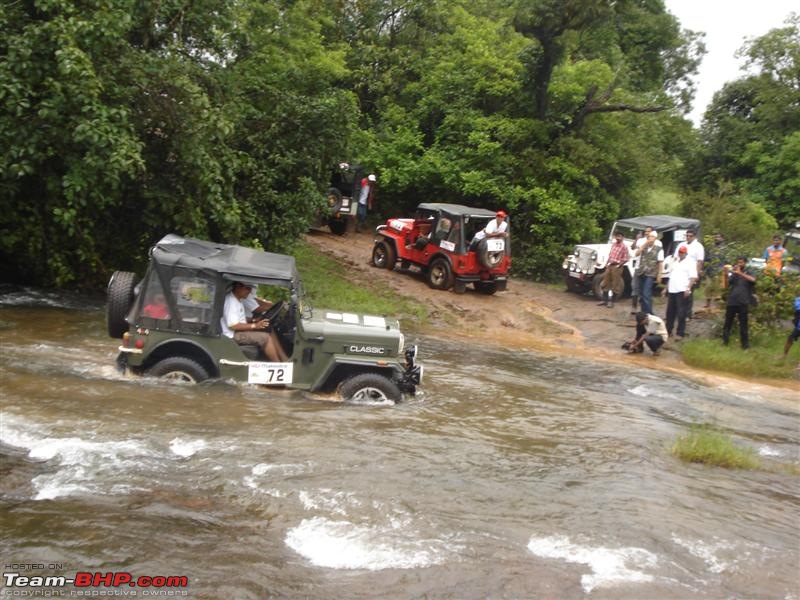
775	255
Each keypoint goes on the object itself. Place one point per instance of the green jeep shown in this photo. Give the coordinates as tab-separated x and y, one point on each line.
170	327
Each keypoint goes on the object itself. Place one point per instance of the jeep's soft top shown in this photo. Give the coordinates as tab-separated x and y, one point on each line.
660	222
233	263
457	209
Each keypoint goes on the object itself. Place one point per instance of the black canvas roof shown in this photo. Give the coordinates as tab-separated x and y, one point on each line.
457	209
661	222
234	263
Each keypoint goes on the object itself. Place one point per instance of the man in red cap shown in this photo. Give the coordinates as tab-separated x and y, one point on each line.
682	278
495	228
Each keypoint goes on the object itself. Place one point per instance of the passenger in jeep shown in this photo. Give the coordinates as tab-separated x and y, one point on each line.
235	325
494	228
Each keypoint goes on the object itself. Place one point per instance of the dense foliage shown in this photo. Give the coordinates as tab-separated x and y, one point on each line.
123	120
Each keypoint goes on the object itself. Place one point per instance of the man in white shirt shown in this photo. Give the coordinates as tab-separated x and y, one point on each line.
697	253
235	325
678	291
495	228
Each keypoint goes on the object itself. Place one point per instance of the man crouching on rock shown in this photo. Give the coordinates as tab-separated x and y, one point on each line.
650	330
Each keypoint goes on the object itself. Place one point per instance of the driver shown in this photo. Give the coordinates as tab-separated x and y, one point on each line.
235	325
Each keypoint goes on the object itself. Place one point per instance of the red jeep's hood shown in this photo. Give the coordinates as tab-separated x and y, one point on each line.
400	224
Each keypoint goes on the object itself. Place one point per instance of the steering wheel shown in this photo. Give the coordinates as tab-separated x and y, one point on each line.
273	311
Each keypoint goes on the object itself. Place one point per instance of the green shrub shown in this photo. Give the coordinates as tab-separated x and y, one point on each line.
763	359
775	298
703	444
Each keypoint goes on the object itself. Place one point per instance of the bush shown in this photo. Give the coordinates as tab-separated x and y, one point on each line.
747	226
776	296
703	444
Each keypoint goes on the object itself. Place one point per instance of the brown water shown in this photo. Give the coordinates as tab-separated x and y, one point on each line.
512	475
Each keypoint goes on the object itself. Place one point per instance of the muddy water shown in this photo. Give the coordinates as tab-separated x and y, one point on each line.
513	475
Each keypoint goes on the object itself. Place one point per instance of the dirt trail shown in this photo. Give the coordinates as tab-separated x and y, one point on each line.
528	315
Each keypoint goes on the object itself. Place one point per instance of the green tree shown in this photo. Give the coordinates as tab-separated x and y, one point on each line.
751	130
124	120
552	109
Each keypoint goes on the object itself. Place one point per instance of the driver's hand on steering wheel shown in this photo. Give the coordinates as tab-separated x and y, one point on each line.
262	324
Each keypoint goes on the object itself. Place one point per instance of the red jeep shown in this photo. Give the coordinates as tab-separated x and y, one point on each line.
437	240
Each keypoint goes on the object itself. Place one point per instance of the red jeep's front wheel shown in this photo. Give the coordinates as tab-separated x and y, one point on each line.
440	276
383	256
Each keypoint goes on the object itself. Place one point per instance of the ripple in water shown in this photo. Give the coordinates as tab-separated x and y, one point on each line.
344	545
609	565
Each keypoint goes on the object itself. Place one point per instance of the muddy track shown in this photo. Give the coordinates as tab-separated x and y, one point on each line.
528	315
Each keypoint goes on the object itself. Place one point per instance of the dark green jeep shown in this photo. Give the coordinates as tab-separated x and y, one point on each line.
170	327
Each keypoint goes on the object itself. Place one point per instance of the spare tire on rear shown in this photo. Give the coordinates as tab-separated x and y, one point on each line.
120	298
489	259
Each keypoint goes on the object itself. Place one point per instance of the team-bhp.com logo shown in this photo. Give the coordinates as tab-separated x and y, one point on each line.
157	585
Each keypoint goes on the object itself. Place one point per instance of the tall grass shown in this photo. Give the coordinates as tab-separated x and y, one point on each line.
763	359
662	202
705	445
330	284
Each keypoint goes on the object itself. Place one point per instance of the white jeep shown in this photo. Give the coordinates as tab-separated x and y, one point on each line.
584	268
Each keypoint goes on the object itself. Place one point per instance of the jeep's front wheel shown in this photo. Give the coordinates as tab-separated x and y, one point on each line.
178	368
440	276
597	285
383	256
120	298
369	388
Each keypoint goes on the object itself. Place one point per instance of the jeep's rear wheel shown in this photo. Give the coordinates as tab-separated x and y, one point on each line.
338	227
383	255
486	287
178	368
489	259
370	388
440	276
120	298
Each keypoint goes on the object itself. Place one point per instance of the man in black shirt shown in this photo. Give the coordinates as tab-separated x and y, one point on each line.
740	284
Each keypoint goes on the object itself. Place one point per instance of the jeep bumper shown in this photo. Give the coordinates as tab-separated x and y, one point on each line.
412	376
500	280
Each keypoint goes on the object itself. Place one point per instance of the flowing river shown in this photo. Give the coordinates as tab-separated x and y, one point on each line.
511	475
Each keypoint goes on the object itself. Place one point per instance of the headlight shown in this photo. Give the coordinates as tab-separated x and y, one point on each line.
594	255
411	355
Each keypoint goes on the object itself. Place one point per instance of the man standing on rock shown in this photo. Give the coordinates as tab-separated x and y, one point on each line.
697	253
679	290
648	272
740	288
365	199
612	283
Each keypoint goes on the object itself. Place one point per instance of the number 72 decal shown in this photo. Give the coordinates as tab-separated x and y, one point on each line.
270	373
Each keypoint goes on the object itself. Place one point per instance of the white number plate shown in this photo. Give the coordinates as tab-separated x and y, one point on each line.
574	274
447	245
270	373
495	245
